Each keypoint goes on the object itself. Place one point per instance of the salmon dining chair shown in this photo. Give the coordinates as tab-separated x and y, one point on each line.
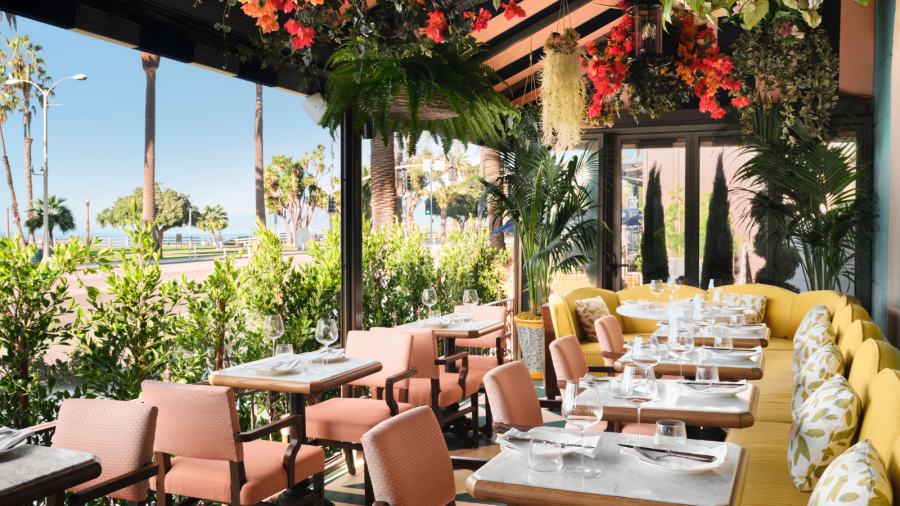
119	434
611	339
342	422
411	465
216	461
433	387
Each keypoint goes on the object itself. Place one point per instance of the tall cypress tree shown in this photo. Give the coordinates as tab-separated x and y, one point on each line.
655	258
718	252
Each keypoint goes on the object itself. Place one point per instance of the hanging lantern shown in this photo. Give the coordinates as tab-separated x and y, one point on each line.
648	34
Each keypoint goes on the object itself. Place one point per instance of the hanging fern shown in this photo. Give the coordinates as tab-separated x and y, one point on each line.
366	83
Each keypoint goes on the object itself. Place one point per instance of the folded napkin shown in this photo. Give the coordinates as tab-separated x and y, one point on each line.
443	320
720	452
9	438
732	352
329	353
592	444
286	362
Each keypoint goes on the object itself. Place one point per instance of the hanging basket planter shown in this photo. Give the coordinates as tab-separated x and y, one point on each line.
437	108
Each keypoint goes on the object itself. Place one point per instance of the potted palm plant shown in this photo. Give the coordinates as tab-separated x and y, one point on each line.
548	200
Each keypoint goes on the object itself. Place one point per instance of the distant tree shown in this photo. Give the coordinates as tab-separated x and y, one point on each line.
294	190
465	202
213	219
7	104
150	63
383	187
172	210
60	216
654	257
718	246
675	221
443	196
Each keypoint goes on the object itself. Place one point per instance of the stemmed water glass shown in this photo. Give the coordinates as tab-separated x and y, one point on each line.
637	387
470	298
326	333
656	288
581	407
429	298
681	342
673	286
273	327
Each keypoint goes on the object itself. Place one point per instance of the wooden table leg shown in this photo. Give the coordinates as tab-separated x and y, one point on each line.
301	489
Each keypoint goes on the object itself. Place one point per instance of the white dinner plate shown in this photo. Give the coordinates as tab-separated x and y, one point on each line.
746	330
738	355
676	465
719	393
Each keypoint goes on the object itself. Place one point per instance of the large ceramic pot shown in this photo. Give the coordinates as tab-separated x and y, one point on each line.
530	334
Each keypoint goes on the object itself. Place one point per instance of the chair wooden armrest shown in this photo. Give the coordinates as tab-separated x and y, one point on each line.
389	388
452	358
44	429
550	403
502	428
613	354
109	486
602	368
270	428
470	463
463	371
380	503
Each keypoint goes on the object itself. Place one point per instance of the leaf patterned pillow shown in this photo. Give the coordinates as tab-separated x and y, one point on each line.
589	311
856	478
755	302
822	431
823	365
817	336
818	314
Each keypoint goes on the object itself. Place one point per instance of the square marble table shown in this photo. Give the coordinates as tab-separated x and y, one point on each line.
476	328
29	472
729	370
625	481
692	408
738	340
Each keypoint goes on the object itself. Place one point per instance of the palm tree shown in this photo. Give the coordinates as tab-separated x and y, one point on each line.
491	163
8	103
25	64
212	218
60	216
151	64
260	168
443	197
384	188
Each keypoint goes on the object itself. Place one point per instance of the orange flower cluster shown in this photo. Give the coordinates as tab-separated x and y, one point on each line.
607	71
512	10
480	21
437	26
699	64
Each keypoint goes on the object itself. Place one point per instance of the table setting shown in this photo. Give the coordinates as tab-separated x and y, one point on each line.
11	438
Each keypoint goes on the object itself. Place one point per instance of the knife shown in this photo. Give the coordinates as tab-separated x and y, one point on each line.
526	440
707	458
689	383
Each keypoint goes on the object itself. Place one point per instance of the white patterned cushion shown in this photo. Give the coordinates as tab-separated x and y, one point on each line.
823	430
818	314
815	337
755	302
823	365
856	478
589	311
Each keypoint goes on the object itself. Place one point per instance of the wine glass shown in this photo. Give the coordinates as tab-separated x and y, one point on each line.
657	288
638	386
681	342
673	286
581	407
326	333
429	298
470	298
645	351
273	327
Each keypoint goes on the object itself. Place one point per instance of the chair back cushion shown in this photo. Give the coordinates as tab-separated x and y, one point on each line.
512	395
424	351
871	357
854	336
817	314
589	311
850	314
856	478
610	337
568	359
196	421
392	349
881	416
778	305
809	341
119	433
805	301
408	460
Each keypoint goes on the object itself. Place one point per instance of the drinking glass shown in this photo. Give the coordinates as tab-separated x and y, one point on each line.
434	313
638	386
429	297
656	288
326	333
614	384
738	319
645	351
470	298
681	342
545	455
673	286
707	373
315	364
465	319
670	432
283	349
273	327
581	407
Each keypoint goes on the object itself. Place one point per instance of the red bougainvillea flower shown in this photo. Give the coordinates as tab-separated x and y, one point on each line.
481	21
293	27
740	101
513	10
265	16
437	26
268	23
286	6
304	38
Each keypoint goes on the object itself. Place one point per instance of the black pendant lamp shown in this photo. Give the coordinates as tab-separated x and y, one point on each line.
648	34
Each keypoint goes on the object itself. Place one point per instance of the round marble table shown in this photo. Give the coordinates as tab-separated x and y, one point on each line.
663	311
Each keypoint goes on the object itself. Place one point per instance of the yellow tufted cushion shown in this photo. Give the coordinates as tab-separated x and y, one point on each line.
881	415
768	480
871	357
893	468
775	388
778	305
805	301
856	334
850	314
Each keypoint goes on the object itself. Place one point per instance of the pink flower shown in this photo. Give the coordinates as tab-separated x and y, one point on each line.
740	101
513	10
304	37
437	26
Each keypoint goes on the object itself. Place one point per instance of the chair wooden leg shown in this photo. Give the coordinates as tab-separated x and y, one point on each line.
488	416
475	429
58	499
370	494
319	488
351	465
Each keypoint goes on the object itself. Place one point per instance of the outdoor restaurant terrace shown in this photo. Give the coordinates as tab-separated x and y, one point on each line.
667	281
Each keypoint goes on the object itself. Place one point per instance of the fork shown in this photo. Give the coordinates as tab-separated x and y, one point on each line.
664	455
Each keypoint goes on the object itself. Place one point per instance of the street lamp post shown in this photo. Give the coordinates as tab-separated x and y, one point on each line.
87	218
46	95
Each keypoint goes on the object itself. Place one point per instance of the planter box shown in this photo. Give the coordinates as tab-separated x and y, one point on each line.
530	334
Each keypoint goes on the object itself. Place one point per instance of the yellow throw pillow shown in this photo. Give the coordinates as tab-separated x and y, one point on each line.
755	302
823	430
589	311
818	314
856	478
821	367
813	339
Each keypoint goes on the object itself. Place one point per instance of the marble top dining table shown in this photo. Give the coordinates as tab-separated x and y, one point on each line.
625	481
338	372
29	473
729	369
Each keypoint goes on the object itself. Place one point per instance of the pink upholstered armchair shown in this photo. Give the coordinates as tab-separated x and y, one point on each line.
569	362
216	461
119	434
411	465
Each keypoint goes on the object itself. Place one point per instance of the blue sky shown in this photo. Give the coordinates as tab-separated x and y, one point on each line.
204	129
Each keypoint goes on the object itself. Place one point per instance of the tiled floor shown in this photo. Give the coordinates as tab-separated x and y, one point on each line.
345	490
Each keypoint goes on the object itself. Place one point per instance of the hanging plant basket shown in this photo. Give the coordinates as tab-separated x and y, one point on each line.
438	108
